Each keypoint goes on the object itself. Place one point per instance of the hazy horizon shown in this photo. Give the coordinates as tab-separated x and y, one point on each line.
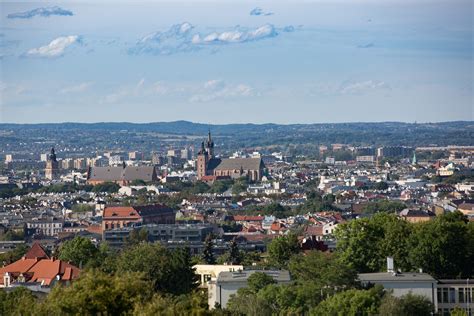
237	62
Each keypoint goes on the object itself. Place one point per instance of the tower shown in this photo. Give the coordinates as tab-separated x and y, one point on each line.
51	171
210	145
414	160
202	160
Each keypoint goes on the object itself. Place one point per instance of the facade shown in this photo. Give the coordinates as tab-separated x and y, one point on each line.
210	167
122	175
46	227
123	216
169	234
455	293
227	283
52	166
208	272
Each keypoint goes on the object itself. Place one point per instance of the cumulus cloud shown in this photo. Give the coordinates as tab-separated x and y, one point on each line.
55	48
363	86
76	88
176	39
218	89
182	38
43	12
259	11
236	36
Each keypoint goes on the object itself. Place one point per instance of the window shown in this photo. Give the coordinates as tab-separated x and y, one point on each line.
461	295
445	295
440	296
452	295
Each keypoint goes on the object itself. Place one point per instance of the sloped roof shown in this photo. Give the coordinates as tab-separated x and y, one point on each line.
240	163
129	173
43	270
135	212
36	251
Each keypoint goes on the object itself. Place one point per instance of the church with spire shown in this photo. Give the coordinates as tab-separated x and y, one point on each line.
210	168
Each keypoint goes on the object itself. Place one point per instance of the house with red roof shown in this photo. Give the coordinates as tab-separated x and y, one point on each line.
36	270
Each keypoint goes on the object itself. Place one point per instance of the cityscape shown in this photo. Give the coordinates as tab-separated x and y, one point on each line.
296	183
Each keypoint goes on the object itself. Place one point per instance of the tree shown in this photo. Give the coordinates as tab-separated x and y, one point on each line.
195	304
137	236
409	304
258	281
234	253
79	251
458	311
97	293
322	269
364	244
168	271
109	187
14	255
442	247
351	302
382	186
20	301
281	249
208	252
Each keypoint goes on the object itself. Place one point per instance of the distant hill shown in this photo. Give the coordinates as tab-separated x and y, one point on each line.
232	136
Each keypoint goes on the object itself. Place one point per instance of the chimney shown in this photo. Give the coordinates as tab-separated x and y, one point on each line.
390	267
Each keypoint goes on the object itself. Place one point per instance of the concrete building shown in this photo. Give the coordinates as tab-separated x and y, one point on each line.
228	282
208	272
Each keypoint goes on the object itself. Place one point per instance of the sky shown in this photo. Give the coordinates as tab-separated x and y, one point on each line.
236	61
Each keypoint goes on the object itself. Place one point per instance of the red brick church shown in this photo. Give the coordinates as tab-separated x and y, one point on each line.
210	168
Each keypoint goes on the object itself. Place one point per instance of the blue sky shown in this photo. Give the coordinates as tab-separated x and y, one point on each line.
237	61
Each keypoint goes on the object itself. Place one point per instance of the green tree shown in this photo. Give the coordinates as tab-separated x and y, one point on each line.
235	256
458	311
351	302
14	255
442	247
258	281
108	187
20	301
364	244
281	249
195	304
382	186
137	236
322	269
208	252
409	304
168	271
79	251
97	293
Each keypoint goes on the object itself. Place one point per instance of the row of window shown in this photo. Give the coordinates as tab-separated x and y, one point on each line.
454	295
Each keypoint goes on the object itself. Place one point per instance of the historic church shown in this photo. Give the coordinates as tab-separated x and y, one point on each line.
210	168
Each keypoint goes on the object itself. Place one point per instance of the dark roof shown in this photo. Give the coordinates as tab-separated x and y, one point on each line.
129	173
240	163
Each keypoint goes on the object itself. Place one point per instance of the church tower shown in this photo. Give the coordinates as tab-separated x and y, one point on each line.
202	161
210	145
51	171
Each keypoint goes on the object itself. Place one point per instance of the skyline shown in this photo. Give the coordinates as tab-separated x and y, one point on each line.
246	62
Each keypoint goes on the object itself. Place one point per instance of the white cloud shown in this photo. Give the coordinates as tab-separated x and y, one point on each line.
76	88
236	36
259	11
218	89
362	87
181	38
55	48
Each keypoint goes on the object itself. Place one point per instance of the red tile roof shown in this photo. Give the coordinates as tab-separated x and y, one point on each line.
41	270
36	251
247	218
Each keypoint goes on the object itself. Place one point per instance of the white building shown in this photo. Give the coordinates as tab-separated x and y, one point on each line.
227	283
